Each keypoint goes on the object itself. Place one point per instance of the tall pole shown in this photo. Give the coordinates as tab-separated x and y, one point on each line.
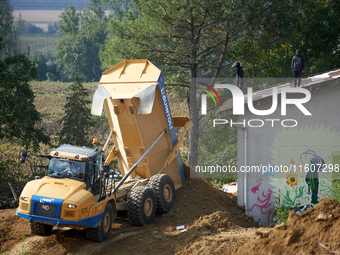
46	47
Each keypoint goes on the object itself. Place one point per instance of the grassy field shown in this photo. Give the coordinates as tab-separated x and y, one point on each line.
38	42
50	100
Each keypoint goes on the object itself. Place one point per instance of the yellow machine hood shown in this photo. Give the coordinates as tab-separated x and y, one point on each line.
53	188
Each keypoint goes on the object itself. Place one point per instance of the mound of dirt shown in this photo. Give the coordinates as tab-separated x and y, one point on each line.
315	231
213	224
217	221
197	198
12	229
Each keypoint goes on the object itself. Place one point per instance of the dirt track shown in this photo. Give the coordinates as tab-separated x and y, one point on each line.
213	221
214	225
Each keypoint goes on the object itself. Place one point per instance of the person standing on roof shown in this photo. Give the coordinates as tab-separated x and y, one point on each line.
298	65
239	75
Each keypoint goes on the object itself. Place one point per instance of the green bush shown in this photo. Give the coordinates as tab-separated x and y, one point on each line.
218	183
7	171
282	212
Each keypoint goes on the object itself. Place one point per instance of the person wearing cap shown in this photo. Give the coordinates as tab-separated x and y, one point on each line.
298	65
239	75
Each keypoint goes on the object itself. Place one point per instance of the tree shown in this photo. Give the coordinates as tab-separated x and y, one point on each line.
311	26
70	21
9	30
98	7
6	19
18	115
118	8
78	51
187	39
52	28
77	120
29	28
47	68
319	18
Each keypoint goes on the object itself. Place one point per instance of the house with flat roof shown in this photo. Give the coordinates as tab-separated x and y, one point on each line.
290	156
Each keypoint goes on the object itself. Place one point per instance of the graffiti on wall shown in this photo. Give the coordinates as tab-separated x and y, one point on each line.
310	163
312	174
256	188
309	156
264	203
270	172
305	186
335	181
291	199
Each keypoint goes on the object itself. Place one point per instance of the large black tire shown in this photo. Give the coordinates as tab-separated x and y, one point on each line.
41	229
165	192
141	206
102	232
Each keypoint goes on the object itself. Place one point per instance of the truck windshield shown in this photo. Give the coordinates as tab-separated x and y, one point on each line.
66	168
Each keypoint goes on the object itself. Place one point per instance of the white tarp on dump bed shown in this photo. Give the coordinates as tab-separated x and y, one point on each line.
146	96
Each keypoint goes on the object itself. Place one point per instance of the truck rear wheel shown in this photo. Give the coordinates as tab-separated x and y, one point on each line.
41	229
141	206
102	232
165	192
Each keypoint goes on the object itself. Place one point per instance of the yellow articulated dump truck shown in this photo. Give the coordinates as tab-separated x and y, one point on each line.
80	191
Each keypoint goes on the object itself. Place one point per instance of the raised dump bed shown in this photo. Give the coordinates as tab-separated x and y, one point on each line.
137	106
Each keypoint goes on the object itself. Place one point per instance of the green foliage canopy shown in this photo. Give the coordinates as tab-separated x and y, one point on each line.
77	120
311	26
70	20
186	39
9	30
78	51
18	115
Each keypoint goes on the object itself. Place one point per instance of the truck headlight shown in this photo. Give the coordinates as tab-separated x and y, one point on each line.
72	206
25	199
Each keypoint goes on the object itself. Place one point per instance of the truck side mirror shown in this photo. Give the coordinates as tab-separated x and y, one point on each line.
23	156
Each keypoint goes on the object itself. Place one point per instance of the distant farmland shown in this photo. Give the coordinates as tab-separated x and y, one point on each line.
41	16
38	16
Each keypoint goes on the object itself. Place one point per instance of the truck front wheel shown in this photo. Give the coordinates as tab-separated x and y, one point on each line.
41	229
141	206
102	232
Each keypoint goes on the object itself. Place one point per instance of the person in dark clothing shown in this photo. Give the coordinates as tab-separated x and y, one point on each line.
298	65
239	75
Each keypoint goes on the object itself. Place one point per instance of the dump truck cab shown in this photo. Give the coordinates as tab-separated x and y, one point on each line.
77	163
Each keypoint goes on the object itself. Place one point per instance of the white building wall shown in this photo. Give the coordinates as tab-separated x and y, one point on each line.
318	135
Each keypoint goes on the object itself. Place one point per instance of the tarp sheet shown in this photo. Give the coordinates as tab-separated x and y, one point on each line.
146	96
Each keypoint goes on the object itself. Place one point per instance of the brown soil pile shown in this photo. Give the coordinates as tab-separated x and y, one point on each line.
316	231
197	198
213	222
12	229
